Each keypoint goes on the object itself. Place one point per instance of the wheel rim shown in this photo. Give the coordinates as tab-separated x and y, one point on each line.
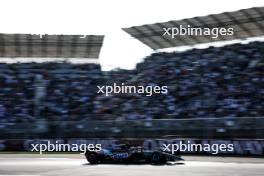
92	157
156	157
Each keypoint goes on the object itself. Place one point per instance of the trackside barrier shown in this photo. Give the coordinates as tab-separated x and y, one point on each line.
244	147
201	128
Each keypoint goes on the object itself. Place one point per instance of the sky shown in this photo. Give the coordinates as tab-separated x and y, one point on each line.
107	17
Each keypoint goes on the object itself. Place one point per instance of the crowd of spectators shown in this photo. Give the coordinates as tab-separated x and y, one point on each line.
214	82
51	91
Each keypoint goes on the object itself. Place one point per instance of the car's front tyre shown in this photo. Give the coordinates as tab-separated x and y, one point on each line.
92	157
157	158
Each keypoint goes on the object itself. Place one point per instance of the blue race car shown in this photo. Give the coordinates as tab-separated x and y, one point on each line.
129	154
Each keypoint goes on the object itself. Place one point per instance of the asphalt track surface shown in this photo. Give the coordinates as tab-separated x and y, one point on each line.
71	164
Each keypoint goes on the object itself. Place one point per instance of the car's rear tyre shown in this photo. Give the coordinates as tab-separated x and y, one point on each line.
92	158
157	158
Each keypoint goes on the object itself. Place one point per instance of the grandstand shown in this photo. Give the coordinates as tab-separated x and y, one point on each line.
246	23
203	83
52	46
213	82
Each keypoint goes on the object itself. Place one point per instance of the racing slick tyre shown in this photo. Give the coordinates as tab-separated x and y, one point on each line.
157	158
92	158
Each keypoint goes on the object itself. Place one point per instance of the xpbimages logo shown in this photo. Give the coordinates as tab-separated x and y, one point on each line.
56	146
197	31
148	90
183	146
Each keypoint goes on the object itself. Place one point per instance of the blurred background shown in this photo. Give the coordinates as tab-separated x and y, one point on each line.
214	93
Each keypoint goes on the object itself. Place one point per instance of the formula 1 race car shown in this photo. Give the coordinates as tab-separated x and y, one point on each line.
129	154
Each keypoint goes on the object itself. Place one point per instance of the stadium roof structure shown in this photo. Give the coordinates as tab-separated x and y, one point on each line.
246	23
50	46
